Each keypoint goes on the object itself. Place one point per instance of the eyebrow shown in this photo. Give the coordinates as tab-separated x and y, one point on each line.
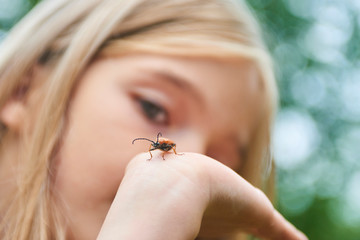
179	82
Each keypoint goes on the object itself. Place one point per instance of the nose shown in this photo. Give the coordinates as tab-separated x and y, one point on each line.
226	150
222	148
191	141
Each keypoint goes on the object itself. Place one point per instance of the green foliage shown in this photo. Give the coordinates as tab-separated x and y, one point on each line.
316	47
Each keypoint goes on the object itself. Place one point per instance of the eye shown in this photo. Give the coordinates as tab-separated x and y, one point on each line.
154	112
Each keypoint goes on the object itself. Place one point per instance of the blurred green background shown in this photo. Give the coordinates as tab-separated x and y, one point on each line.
316	48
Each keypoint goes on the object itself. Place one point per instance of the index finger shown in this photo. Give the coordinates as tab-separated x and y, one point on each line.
236	202
278	228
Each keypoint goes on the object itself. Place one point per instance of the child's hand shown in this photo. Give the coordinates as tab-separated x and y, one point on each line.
189	195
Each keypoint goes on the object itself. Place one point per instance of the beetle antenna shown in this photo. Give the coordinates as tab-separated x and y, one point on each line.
157	137
142	139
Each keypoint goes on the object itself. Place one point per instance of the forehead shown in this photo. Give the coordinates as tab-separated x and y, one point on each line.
226	82
232	89
208	72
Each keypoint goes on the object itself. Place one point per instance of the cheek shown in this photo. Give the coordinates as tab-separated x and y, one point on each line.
96	146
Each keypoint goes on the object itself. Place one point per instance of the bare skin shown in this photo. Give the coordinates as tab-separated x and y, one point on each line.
208	107
187	196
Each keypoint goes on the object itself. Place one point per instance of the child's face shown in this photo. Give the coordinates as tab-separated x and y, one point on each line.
204	105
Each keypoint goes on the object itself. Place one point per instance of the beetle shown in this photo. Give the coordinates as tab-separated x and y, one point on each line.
161	143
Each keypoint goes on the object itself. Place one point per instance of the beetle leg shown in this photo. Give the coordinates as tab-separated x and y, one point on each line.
163	155
174	148
150	153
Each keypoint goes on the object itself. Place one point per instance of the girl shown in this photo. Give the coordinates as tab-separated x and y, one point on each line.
79	80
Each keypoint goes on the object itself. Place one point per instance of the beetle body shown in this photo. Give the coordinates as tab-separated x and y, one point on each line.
163	144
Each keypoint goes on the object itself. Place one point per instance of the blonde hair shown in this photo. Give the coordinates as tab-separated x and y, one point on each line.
67	35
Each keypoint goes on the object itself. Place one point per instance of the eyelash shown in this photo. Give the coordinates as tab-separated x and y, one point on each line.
154	112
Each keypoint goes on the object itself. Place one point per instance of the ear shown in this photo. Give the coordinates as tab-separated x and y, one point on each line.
18	109
15	112
12	115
